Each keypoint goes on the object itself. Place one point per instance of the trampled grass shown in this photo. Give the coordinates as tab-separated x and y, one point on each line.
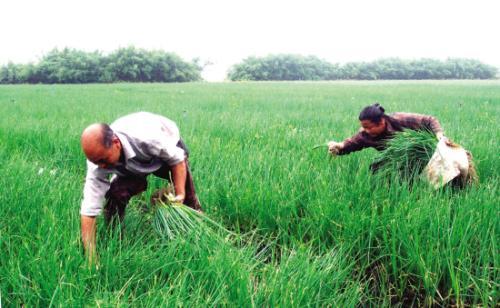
312	230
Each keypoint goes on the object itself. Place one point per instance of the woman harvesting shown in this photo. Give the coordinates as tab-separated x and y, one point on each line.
377	128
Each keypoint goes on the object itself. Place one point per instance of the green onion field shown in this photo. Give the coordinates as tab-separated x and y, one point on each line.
307	229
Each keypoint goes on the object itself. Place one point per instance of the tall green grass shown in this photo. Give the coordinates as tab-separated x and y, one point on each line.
312	230
405	156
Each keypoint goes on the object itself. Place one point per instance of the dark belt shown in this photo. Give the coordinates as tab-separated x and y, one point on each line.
183	146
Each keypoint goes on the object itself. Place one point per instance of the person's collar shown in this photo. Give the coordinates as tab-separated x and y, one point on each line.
388	127
127	149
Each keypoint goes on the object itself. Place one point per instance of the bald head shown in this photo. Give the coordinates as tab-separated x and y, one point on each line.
97	140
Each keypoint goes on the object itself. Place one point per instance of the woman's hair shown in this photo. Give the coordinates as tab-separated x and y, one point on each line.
373	113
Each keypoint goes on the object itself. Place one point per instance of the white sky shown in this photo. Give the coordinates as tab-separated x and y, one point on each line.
224	32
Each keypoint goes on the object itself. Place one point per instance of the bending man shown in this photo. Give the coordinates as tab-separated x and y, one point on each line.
130	149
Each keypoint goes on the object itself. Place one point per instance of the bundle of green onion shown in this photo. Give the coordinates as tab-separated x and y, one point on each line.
406	155
172	219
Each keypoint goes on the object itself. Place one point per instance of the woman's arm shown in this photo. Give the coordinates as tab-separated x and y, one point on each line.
417	121
353	144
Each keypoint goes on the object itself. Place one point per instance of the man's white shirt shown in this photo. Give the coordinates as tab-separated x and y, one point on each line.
148	141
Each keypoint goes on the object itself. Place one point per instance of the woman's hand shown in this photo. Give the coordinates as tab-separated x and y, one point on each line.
440	136
335	147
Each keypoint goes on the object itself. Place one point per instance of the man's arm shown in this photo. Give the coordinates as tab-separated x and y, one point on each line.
179	174
95	188
175	157
88	227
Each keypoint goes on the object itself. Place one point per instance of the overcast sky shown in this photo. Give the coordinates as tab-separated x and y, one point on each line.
224	32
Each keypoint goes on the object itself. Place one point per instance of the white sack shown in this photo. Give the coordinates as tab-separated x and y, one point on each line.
446	163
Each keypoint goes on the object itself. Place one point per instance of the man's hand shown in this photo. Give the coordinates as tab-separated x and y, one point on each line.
88	227
335	147
166	195
179	198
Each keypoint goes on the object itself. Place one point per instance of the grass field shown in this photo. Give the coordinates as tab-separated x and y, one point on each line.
311	230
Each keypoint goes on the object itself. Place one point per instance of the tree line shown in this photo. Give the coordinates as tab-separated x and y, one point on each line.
297	67
138	65
125	64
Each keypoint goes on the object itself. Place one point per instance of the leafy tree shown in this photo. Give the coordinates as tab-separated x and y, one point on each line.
12	73
131	64
125	64
284	67
69	66
294	67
